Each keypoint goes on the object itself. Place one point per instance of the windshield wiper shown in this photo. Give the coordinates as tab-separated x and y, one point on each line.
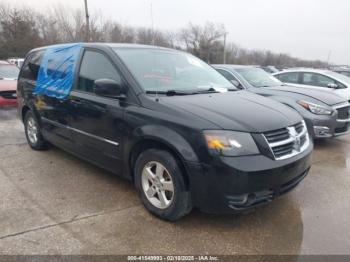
205	91
170	92
174	92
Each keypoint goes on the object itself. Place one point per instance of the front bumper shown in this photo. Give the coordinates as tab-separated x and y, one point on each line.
235	184
326	126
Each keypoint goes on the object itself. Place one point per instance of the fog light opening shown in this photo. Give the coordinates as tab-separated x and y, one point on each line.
239	199
251	199
322	131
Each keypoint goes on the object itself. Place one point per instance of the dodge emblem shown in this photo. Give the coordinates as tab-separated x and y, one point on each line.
294	134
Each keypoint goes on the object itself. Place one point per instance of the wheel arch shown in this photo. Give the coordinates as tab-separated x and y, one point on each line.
36	114
162	138
24	111
151	143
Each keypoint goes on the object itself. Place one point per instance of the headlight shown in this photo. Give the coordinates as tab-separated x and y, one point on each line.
230	143
316	109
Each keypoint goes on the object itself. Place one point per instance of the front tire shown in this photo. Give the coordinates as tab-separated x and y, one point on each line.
33	132
161	186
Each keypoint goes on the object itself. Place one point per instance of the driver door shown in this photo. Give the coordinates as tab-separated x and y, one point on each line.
96	121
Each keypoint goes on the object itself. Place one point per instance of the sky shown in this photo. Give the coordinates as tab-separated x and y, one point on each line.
308	29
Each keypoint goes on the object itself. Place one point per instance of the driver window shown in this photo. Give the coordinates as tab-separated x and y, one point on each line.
289	77
95	66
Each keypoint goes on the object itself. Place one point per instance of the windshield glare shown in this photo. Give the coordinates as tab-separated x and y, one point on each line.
258	77
162	70
9	71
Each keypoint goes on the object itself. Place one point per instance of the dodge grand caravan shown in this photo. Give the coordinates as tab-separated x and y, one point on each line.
163	119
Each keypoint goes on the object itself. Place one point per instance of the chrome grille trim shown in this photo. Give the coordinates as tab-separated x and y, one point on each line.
343	120
297	142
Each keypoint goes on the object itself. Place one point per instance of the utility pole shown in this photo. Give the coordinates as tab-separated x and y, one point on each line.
87	36
224	55
152	24
329	57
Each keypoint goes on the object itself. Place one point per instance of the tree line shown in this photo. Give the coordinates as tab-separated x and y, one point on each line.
22	29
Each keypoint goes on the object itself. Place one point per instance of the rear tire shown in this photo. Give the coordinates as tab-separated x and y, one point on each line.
33	132
161	186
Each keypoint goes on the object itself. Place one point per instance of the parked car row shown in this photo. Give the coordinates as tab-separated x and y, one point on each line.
325	112
184	134
317	79
17	61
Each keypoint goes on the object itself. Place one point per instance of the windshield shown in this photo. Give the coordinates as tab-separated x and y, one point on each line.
162	70
258	77
8	71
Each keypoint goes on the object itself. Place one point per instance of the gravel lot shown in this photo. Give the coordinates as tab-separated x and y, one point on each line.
54	203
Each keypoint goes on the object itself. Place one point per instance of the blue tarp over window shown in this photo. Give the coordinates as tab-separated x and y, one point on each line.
56	73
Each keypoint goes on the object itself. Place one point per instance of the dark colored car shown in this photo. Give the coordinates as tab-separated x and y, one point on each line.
154	116
345	72
270	69
325	113
8	84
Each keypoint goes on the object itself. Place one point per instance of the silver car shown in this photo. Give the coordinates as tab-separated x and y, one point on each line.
325	113
317	79
345	72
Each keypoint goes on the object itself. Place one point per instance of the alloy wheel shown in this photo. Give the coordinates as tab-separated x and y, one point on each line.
32	130
157	185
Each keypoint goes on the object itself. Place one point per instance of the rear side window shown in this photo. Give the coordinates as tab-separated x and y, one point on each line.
95	66
31	66
289	77
317	80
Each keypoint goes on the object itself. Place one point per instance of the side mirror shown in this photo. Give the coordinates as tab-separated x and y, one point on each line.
108	88
331	85
236	84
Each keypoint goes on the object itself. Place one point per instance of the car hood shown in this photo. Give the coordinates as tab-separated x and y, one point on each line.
239	110
324	96
8	85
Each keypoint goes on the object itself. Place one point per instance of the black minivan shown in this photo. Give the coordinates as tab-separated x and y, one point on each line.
164	119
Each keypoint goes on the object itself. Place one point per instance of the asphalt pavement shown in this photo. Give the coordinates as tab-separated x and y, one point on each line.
54	203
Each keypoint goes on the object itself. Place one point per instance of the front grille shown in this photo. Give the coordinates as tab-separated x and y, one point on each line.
8	94
280	151
288	142
299	127
343	112
277	135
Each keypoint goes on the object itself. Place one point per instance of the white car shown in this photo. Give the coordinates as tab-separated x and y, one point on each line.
16	61
317	79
